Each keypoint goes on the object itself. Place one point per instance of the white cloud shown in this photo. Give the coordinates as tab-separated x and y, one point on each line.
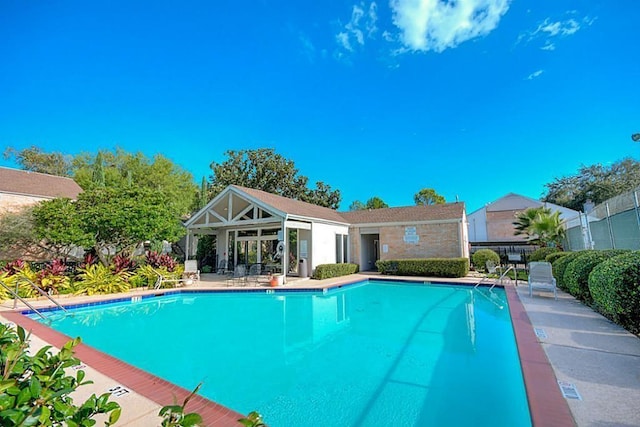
535	74
362	25
548	46
436	25
550	29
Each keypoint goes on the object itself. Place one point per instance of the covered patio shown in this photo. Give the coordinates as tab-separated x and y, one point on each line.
250	226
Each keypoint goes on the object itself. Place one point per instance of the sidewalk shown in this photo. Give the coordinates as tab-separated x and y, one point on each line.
585	349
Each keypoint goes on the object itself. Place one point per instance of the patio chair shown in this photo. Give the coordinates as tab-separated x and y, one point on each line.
191	270
222	267
239	276
541	278
492	268
255	274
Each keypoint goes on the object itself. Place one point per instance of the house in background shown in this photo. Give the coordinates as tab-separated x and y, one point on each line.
492	225
253	226
20	188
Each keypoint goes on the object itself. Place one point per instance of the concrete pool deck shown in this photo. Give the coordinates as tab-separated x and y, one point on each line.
583	349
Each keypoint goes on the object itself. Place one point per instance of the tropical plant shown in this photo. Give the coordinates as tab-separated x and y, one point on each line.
123	262
157	260
35	389
254	419
53	278
540	226
481	256
428	196
175	416
98	279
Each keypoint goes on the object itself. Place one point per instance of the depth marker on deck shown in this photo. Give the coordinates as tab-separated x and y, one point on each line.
540	333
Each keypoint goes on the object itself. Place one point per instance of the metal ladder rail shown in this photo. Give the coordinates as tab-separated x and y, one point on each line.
499	280
41	291
32	308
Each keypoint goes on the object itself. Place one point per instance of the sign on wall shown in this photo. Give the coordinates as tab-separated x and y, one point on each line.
410	235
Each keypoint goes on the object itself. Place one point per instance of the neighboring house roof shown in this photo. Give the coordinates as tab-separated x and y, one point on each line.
292	207
516	202
439	212
36	184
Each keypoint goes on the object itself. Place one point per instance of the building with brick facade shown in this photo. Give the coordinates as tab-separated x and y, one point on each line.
20	188
253	226
493	223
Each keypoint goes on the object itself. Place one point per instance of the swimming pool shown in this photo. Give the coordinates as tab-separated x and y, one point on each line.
379	353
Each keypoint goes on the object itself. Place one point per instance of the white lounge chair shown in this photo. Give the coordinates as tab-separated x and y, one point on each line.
191	269
541	278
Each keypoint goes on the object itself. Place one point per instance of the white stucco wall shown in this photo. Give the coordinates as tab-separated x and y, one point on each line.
478	225
323	249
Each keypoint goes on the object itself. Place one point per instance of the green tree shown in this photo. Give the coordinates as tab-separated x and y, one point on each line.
126	170
525	219
119	220
35	160
264	169
357	205
18	238
596	183
428	196
373	203
58	226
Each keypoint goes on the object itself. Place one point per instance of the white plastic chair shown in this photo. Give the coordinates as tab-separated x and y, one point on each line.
191	269
541	278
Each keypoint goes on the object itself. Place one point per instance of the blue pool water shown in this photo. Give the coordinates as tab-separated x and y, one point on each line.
376	354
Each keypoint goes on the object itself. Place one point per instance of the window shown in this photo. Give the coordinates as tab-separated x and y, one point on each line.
341	248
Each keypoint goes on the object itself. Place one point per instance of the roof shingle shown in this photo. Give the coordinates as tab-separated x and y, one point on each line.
440	212
37	184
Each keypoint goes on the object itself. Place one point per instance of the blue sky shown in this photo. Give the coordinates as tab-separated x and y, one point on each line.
475	98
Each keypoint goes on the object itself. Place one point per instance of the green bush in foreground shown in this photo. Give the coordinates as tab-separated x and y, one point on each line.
481	256
541	254
576	275
552	257
560	265
327	271
35	388
431	267
615	287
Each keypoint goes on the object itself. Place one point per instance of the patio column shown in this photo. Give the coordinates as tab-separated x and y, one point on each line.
187	246
285	255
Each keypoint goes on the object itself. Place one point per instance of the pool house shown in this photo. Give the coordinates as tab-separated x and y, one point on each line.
293	237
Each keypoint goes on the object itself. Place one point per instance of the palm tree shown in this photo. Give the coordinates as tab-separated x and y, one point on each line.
540	226
525	218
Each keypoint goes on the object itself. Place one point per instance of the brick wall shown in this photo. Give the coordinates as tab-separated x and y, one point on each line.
15	202
433	241
500	226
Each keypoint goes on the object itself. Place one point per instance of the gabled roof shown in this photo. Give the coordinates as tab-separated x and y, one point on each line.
440	212
517	202
36	184
292	207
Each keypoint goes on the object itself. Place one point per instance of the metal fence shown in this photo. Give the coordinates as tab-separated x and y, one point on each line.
614	224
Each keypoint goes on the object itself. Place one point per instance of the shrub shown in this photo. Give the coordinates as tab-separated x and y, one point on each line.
35	388
576	275
433	267
481	256
541	254
327	271
552	257
560	265
157	260
98	279
615	287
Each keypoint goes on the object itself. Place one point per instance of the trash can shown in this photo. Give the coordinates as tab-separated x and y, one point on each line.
302	268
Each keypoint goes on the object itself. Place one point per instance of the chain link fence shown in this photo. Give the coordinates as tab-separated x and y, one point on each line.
614	224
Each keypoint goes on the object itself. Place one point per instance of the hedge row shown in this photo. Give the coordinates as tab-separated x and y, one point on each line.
481	256
608	280
432	267
327	271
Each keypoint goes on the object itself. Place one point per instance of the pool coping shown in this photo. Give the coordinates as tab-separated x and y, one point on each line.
547	406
